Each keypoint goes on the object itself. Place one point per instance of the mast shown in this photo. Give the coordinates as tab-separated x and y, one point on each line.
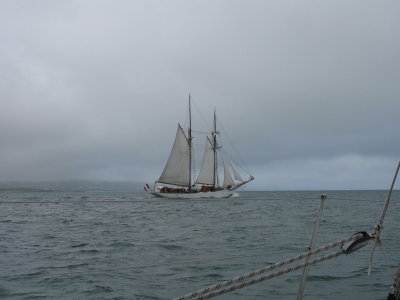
215	150
190	144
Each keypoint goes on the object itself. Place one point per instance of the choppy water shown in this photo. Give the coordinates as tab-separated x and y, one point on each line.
121	245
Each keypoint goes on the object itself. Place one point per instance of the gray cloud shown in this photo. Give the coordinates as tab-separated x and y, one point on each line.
93	90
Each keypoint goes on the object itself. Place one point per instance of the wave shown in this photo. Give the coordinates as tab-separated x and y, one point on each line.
170	246
329	277
79	245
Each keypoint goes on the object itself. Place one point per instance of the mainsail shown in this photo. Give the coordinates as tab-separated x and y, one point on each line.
177	168
206	175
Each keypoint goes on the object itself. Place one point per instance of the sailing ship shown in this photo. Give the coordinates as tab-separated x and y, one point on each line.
177	173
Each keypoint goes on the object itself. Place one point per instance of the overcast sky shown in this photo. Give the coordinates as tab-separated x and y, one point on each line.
308	91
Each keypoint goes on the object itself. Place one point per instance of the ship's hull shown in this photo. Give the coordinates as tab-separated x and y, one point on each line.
196	195
225	193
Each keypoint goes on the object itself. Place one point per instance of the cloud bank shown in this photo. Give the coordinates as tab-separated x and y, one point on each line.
308	92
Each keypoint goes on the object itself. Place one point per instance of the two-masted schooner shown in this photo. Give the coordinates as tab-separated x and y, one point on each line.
177	173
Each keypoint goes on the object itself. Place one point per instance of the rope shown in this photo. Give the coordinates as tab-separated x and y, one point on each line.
378	244
276	274
395	288
266	269
378	226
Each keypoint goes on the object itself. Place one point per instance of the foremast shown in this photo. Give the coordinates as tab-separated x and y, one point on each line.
215	147
190	144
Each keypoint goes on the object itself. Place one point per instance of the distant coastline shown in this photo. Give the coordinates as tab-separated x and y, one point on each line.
71	185
25	190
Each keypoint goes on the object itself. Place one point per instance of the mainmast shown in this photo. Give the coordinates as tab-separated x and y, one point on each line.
214	134
190	145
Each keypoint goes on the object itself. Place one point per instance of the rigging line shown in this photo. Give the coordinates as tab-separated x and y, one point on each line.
270	276
378	226
235	162
201	132
394	292
207	124
268	268
144	266
234	148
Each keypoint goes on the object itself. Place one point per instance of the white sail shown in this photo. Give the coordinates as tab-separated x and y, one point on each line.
177	169
228	181
236	174
206	175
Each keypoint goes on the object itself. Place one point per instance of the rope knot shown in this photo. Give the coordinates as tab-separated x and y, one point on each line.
378	244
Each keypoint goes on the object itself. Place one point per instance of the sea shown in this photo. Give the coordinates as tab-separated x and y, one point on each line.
114	244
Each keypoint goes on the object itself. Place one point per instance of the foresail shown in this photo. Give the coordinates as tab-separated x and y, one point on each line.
228	181
177	168
236	174
206	175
